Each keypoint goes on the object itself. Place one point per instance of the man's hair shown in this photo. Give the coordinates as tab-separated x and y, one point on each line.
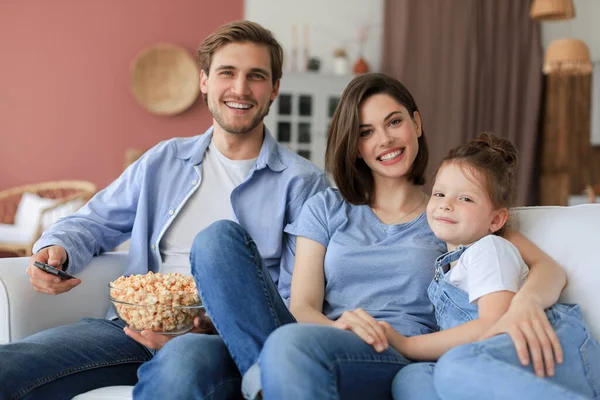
351	174
239	32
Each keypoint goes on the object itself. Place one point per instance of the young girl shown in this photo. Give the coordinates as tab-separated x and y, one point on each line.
468	210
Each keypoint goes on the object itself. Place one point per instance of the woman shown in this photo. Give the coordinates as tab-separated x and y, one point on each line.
364	253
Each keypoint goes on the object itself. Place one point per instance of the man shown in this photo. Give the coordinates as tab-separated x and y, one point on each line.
235	171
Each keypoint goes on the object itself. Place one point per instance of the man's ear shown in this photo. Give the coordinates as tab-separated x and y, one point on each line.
203	82
275	91
499	220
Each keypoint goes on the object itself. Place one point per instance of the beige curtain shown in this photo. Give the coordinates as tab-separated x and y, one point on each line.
472	65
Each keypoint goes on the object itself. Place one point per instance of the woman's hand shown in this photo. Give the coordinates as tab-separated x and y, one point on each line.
156	341
365	326
528	326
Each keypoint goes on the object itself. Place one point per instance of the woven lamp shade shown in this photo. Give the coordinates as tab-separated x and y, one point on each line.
552	10
165	79
567	57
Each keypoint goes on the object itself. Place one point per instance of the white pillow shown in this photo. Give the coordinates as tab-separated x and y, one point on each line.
29	211
61	211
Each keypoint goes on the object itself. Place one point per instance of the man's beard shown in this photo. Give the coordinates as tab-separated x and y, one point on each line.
237	129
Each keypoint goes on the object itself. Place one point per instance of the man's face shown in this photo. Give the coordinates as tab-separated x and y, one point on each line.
239	86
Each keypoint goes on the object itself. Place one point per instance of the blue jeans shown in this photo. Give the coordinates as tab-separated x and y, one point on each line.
192	366
490	369
243	304
62	362
237	290
302	361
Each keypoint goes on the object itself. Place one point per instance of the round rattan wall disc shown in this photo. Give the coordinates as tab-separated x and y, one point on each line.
165	79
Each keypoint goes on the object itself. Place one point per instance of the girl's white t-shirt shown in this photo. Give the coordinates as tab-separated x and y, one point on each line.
491	264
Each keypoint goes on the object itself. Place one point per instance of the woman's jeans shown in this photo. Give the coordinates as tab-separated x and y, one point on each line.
301	361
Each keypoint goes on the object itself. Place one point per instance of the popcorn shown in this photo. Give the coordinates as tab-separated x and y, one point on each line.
154	301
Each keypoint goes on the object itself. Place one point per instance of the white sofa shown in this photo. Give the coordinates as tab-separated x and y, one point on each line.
571	235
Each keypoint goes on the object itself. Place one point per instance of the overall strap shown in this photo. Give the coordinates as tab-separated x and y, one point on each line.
442	263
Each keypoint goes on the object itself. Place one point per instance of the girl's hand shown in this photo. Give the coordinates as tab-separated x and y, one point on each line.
528	326
365	326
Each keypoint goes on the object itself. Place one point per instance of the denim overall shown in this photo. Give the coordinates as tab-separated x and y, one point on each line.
580	370
450	303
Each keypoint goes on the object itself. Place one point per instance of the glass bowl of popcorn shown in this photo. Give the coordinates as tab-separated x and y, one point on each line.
162	303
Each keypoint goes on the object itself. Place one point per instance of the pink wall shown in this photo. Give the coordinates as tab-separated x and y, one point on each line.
65	107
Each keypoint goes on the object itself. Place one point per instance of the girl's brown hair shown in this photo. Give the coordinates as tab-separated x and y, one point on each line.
351	174
497	160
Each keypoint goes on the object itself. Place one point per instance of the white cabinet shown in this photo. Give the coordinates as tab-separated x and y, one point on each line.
299	118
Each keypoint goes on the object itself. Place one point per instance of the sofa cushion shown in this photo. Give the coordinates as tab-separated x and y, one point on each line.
570	235
107	393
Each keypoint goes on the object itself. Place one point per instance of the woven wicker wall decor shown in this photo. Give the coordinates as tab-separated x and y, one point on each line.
165	79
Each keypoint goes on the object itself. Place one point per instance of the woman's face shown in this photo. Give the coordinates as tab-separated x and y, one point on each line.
388	137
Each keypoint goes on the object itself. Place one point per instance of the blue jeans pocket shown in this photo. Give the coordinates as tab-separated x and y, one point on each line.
590	353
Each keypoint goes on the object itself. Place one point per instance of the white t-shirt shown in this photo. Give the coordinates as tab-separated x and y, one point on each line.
210	203
491	264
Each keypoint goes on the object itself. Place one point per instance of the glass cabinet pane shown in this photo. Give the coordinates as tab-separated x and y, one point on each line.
333	102
285	104
305	105
304	153
284	132
303	132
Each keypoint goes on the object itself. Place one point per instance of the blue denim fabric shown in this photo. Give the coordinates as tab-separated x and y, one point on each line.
245	310
302	361
450	304
491	369
62	362
190	367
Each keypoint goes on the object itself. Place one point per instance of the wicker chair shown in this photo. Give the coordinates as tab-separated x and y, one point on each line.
62	191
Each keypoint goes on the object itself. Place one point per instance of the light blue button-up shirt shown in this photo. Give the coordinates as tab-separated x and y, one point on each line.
146	198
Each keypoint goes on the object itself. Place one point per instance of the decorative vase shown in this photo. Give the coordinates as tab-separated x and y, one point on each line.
341	66
361	66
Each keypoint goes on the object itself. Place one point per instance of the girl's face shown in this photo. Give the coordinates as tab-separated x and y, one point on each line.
460	210
388	137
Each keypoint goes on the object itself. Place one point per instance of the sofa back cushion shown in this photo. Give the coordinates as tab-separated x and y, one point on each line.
571	236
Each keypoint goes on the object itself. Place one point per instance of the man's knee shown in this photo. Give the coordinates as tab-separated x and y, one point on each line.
213	234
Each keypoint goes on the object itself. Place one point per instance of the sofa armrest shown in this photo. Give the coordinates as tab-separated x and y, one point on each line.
23	311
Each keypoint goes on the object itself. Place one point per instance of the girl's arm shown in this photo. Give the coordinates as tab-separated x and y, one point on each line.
431	346
525	321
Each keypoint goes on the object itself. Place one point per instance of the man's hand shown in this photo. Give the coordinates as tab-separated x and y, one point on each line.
156	341
533	336
365	326
43	281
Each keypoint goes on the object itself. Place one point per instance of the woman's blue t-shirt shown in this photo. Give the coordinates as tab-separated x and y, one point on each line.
383	269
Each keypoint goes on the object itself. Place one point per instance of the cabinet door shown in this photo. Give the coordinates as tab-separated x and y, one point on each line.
300	116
